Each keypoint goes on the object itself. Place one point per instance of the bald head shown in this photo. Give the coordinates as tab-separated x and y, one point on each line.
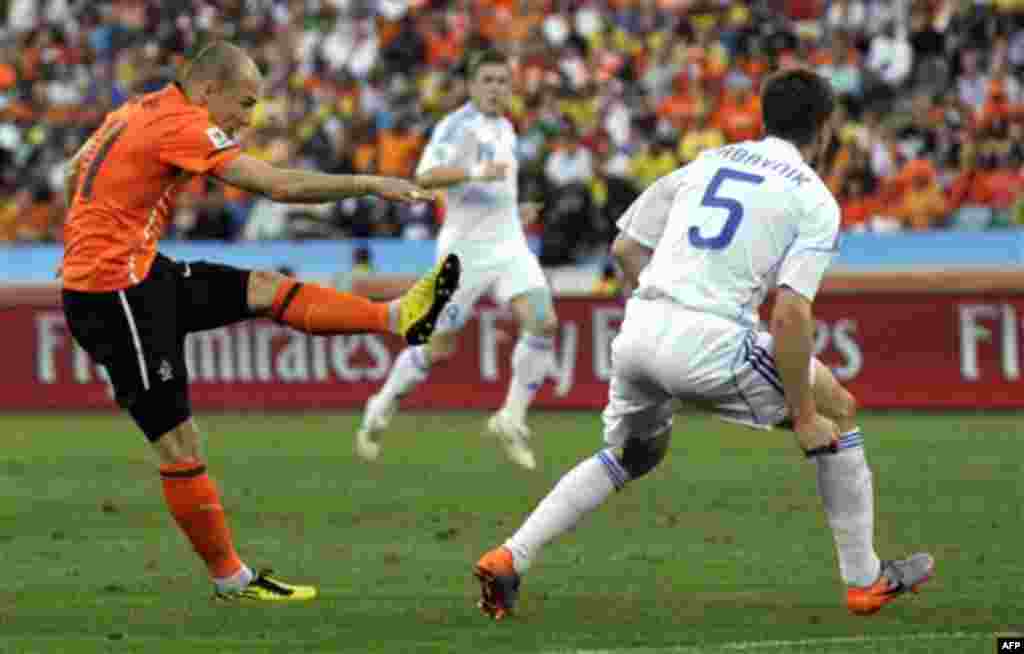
221	62
225	80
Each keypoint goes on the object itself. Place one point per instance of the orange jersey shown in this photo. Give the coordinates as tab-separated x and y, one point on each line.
128	175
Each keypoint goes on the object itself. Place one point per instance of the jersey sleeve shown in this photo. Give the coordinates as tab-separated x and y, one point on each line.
447	147
194	145
645	220
815	247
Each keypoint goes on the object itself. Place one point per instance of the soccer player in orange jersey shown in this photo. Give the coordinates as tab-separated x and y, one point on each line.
131	307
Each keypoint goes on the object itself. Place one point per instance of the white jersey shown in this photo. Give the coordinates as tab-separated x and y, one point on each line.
481	218
733	224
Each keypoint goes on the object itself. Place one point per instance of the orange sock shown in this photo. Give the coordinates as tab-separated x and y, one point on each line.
317	309
195	504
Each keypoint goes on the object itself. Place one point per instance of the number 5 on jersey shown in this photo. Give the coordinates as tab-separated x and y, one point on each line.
715	200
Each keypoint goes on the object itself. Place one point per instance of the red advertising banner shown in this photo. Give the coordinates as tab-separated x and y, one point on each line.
939	350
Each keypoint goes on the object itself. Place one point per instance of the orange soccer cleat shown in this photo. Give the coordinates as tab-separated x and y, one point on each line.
499	583
897	578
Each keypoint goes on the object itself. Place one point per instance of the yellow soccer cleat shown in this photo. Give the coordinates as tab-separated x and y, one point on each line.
264	588
421	305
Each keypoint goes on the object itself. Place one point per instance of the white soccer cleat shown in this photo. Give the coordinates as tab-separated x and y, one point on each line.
513	437
376	418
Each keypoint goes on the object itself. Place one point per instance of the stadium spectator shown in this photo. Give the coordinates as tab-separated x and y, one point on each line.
652	160
923	204
889	62
857	205
379	75
570	165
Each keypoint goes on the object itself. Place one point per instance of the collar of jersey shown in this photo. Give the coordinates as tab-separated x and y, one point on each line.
775	141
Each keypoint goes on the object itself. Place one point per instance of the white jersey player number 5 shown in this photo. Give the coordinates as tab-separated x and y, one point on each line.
716	200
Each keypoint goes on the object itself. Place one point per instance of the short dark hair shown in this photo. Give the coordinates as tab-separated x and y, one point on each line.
487	57
218	60
795	105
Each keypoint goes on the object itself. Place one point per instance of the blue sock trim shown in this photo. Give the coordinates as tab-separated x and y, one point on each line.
618	475
851	440
535	342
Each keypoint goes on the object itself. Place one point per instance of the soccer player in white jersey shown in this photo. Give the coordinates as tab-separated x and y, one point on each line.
703	246
472	153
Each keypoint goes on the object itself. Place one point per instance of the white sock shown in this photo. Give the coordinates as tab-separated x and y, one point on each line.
844	482
411	368
235	582
533	359
579	491
394	315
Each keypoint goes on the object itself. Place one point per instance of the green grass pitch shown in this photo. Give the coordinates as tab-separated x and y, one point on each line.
724	548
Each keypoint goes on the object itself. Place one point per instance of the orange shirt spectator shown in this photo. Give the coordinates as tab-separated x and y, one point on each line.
1002	186
387	30
364	159
981	187
969	189
840	168
8	76
923	203
444	45
857	207
397	152
856	212
739	115
680	108
521	24
493	17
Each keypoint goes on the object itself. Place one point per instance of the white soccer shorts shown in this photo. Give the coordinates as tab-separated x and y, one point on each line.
665	352
504	279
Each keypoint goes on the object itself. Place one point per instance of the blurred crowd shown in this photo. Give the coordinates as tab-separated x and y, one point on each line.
609	95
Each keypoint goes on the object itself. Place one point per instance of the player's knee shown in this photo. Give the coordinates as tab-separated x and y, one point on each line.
539	317
263	287
161	412
640	456
549	326
846	405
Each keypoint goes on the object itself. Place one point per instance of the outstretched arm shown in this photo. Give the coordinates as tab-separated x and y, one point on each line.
297	186
442	176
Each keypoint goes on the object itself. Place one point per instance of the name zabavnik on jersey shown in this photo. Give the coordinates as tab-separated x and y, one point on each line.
733	224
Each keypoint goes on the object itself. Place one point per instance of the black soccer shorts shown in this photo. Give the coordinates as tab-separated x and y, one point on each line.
138	334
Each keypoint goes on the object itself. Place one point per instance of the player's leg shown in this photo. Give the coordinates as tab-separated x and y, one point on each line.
844	483
136	335
193	499
411	368
522	284
638	422
845	486
191	495
533	359
844	478
316	309
414	363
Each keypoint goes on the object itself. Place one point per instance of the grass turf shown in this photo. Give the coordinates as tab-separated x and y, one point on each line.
723	548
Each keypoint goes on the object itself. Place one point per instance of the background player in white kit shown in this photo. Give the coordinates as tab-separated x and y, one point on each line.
472	153
711	239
